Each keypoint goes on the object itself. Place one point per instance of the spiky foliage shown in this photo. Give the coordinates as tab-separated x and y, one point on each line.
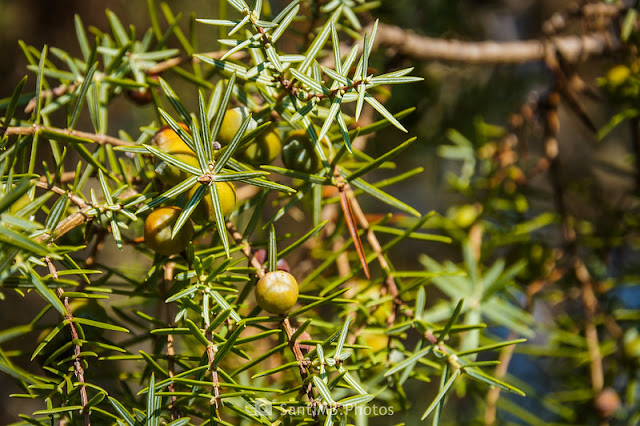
128	336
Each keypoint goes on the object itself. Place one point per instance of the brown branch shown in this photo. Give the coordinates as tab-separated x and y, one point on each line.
69	222
590	302
63	178
171	353
214	374
302	362
77	361
635	148
494	393
73	198
32	130
286	324
573	48
173	62
56	91
246	248
506	356
598	13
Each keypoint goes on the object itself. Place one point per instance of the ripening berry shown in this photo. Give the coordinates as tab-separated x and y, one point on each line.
277	292
264	149
231	123
168	141
158	228
140	96
204	213
298	153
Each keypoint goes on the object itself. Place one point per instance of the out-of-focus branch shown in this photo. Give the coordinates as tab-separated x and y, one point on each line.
56	91
590	302
246	248
590	331
573	48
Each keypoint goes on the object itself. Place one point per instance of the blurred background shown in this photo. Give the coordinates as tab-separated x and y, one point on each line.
452	96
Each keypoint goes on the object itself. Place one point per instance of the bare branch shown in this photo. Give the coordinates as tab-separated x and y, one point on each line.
56	91
572	48
179	60
99	139
77	350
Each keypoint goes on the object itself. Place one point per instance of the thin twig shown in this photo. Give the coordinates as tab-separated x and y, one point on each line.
302	363
52	131
590	303
211	350
494	393
353	229
599	12
77	361
171	368
286	324
173	62
63	178
246	248
56	91
69	222
78	201
552	125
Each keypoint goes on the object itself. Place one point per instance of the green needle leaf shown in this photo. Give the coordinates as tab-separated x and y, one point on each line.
443	392
282	26
272	250
220	221
188	210
452	320
124	414
88	79
383	196
319	41
13	102
323	390
197	333
175	101
491	347
343	336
